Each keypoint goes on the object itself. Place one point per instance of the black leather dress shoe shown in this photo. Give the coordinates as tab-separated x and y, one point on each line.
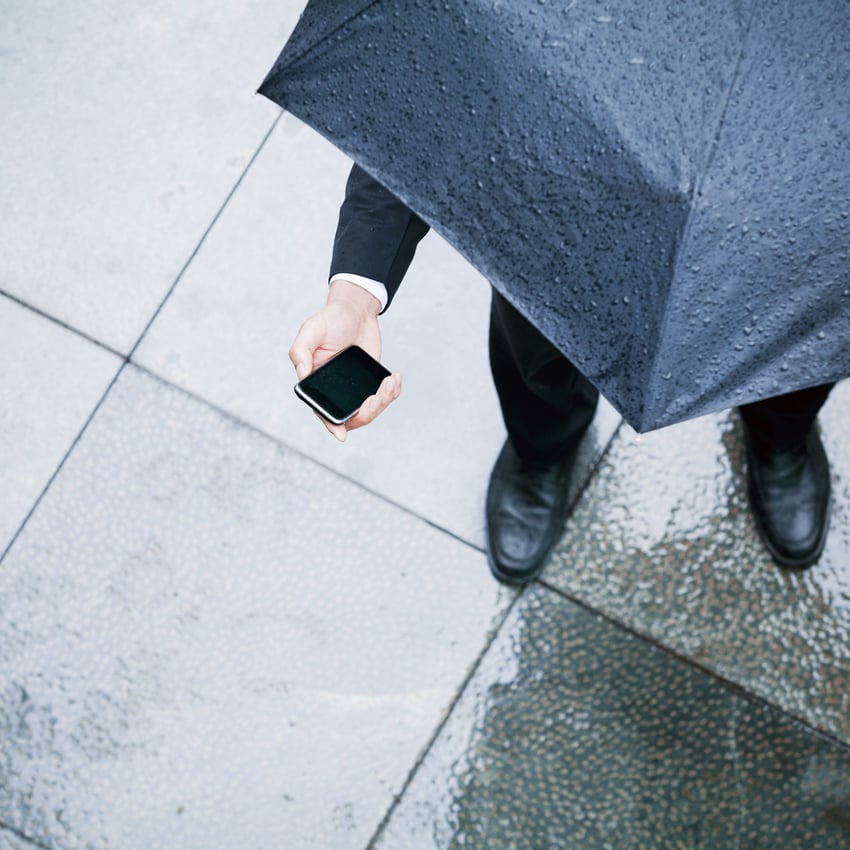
526	510
790	498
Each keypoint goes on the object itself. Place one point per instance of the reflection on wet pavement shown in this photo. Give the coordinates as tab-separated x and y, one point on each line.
573	734
664	542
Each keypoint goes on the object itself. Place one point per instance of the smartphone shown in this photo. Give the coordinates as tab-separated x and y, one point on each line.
338	388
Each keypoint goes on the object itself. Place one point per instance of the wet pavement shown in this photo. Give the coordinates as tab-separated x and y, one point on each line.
220	628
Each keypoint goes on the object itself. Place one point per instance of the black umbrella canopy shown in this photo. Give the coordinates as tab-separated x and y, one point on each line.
662	189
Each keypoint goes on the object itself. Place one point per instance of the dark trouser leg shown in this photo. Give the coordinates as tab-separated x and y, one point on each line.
782	422
547	404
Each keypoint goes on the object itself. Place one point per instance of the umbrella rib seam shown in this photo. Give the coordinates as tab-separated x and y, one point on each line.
721	121
325	36
652	374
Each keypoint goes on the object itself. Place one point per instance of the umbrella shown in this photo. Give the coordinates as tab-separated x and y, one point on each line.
662	189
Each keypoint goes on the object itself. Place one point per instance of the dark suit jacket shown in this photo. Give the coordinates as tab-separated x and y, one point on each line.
377	234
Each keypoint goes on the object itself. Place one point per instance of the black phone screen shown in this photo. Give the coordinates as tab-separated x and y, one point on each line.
340	386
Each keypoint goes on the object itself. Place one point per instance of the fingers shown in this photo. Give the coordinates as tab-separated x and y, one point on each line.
338	431
388	392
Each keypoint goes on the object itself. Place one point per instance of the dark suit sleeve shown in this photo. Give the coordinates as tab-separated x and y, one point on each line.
377	234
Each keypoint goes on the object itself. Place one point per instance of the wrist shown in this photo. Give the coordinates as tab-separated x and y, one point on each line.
350	293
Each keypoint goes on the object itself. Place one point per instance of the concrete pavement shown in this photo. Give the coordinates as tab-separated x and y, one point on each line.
220	628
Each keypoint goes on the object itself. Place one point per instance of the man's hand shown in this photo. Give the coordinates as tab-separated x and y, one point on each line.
350	317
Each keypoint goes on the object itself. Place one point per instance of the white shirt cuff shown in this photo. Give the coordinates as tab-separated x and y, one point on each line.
374	287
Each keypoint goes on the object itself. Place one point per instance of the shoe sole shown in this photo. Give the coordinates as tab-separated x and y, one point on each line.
515	581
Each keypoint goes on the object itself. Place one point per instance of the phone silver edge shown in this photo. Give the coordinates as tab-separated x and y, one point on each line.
319	409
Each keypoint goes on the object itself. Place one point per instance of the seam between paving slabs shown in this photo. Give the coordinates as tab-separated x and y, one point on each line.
126	358
206	233
250	426
729	684
62	324
420	759
61	464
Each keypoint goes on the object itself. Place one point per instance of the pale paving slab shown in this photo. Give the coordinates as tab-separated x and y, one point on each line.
124	128
50	381
210	641
664	541
225	334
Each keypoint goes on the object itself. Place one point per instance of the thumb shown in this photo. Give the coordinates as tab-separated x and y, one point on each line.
302	349
301	369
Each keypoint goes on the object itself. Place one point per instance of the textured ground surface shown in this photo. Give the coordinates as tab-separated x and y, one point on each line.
221	629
